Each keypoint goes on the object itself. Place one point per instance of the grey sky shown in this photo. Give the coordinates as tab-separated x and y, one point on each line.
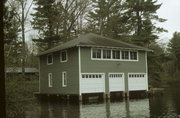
169	10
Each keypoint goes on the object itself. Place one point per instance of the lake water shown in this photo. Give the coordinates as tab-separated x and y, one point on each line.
166	106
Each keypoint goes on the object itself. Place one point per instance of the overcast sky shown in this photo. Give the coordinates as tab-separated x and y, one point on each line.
169	10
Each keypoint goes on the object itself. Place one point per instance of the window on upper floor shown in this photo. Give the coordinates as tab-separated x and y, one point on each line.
125	55
106	54
50	59
50	83
116	54
96	53
64	56
133	55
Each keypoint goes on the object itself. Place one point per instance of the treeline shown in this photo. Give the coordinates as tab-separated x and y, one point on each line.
58	21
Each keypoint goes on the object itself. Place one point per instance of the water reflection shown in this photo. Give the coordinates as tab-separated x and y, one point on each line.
127	108
167	105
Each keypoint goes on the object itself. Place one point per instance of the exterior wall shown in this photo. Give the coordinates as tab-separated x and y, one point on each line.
71	67
110	66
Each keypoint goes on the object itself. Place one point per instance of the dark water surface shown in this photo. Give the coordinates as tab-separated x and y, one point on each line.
166	106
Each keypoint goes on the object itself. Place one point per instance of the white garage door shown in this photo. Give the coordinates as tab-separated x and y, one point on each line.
137	81
92	83
116	82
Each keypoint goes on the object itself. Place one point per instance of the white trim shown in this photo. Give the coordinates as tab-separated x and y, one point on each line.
92	53
112	55
137	55
79	62
39	75
136	73
146	70
94	73
50	81
63	85
119	54
47	59
93	46
61	56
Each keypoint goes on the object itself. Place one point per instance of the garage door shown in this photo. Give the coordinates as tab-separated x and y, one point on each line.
116	82
92	83
137	81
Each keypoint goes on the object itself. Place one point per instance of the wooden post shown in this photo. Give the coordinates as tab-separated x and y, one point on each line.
108	96
80	98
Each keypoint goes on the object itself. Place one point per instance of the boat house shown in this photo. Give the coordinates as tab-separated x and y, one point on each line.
93	64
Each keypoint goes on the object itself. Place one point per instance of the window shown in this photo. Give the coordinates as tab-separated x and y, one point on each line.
136	75
64	79
106	54
49	59
133	55
64	56
115	75
125	55
91	76
50	79
116	54
97	53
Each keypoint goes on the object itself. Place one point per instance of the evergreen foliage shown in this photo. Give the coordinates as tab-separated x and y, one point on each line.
107	18
56	21
12	44
174	49
141	14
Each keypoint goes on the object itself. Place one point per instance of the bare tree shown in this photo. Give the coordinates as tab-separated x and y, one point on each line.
22	16
72	10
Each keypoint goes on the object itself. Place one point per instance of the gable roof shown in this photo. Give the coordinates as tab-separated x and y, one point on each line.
19	70
94	40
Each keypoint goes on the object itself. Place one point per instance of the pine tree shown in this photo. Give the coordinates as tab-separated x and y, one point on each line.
108	18
44	20
174	49
142	15
13	45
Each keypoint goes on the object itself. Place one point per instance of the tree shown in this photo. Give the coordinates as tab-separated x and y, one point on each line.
21	16
174	49
56	21
12	46
107	18
155	61
141	14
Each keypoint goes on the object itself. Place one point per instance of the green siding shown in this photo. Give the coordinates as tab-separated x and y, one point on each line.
71	67
108	66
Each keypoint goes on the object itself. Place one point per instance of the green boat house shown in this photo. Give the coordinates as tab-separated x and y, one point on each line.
93	63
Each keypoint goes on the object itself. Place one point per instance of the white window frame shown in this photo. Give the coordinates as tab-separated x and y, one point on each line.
115	73
63	79
90	75
111	59
52	59
128	55
61	56
106	54
145	75
50	80
137	55
92	54
116	55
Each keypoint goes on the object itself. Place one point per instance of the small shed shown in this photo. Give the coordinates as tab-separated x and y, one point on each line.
30	73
